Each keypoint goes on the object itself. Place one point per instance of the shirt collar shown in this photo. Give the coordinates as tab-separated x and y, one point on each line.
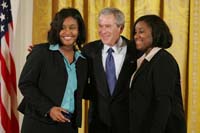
78	54
152	53
117	47
56	47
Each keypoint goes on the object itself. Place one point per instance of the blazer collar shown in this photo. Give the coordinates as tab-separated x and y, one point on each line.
144	60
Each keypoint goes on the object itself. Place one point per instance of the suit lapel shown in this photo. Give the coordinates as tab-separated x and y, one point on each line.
145	64
127	69
141	69
99	72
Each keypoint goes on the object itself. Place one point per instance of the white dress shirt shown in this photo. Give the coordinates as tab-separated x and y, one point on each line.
119	54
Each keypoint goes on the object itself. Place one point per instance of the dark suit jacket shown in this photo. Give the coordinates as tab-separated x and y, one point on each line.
155	97
108	113
43	82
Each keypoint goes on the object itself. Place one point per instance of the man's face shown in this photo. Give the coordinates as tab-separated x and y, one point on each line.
109	32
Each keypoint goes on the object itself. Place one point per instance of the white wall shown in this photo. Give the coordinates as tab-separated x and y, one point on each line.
22	11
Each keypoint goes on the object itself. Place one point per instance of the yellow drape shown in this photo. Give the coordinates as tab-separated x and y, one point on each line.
182	16
193	93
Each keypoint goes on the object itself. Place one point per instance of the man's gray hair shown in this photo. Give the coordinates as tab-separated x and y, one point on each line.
119	15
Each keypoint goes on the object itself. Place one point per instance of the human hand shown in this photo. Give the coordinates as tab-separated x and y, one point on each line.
56	114
30	47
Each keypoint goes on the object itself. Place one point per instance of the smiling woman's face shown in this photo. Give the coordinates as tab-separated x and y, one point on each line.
143	36
69	31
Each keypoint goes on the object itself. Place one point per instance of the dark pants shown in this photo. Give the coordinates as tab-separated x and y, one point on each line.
31	125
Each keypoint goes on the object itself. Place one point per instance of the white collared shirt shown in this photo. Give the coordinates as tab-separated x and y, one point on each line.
118	54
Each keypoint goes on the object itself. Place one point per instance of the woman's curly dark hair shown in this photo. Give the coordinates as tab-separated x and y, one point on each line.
57	22
161	34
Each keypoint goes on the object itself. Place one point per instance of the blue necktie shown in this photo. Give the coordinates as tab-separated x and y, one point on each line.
110	71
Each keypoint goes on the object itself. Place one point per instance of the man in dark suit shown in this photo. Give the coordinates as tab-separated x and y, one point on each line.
109	111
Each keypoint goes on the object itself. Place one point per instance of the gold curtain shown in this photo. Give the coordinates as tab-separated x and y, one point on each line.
182	16
193	79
